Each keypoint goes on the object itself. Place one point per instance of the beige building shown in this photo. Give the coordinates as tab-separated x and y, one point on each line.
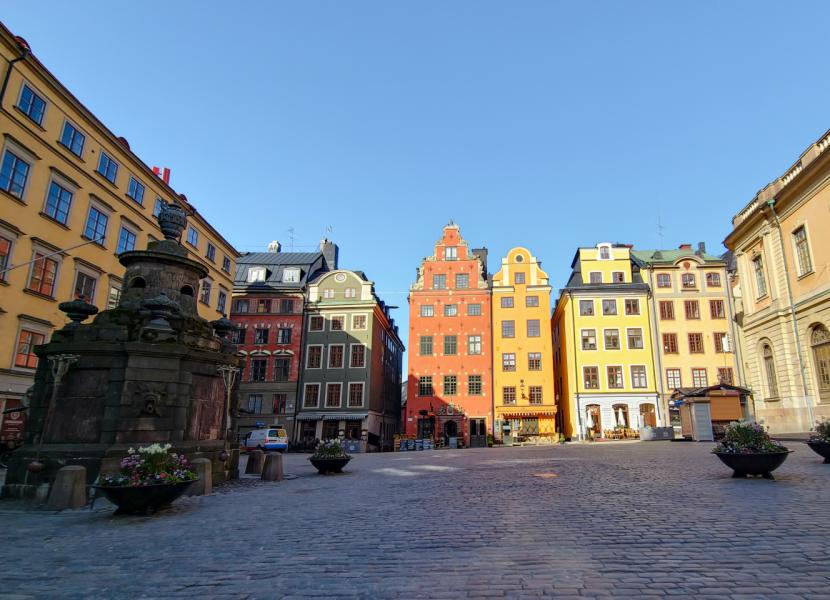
72	198
782	250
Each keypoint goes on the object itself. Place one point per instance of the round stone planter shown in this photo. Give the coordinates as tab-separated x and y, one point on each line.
753	464
142	499
329	465
821	448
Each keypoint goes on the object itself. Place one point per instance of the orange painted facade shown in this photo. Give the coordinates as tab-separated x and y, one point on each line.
450	381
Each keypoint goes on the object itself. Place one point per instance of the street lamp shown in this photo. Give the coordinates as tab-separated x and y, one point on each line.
229	374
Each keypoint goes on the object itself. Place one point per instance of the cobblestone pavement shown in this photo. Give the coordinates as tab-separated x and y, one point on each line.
579	521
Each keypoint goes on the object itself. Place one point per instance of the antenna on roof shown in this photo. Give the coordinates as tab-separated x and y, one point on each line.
291	238
660	228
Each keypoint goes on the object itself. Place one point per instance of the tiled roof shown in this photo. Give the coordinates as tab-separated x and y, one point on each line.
310	263
669	256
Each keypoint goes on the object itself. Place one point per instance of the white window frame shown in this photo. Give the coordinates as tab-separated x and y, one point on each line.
605	339
599	378
42	96
797	260
339	400
102	208
26	156
96	275
125	225
293	271
12	236
622	371
114	284
51	255
253	275
582	335
24	323
305	394
362	385
431	308
342	355
308	355
366	315
450	252
61	180
351	350
323	328
209	281
600	248
331	321
631	375
628	331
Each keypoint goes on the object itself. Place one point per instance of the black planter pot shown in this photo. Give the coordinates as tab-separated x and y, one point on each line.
822	449
145	498
329	465
753	464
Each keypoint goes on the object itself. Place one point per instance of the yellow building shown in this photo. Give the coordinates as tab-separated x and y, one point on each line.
692	321
72	197
603	352
523	396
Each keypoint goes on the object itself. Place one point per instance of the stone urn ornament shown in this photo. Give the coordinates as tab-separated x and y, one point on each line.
172	221
78	310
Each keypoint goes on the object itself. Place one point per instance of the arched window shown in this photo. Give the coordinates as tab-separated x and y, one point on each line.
186	291
621	415
820	342
769	371
138	282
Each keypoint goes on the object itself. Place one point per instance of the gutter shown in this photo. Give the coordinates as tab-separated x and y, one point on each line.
23	54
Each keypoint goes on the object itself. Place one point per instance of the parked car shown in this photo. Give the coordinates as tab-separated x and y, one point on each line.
267	439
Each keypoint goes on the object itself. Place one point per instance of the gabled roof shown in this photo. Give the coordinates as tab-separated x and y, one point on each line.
670	256
275	263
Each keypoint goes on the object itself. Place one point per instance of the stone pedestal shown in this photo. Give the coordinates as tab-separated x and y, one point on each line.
272	470
233	461
255	460
204	469
69	489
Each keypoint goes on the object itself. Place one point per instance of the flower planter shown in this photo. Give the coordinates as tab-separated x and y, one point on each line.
142	499
329	465
753	464
822	448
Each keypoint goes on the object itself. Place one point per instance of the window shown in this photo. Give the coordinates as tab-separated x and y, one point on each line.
518	278
663	280
632	306
259	366
615	378
13	174
226	264
474	310
638	376
532	301
595	277
107	167
355	395
204	292
439	282
605	253
666	310
427	310
425	385
25	356
609	307
210	253
350	293
635	338
425	345
713	280
820	344
534	361
508	395
96	225
328	293
136	190
283	335
58	202
357	359
687	280
474	345
5	256
336	356
450	345
533	328
311	395
692	309
192	236
43	275
760	280
716	309
254	403
450	310
618	277
359	322
721	342
535	393
612	339
263	306
508	329
157	206
291	275
314	358
802	251
126	241
586	308
474	386
450	385
282	369
222	301
114	296
286	305
280	403
85	287
333	393
670	343
699	378
590	377
507	302
32	105
315	323
696	343
508	361
450	253
255	274
673	378
337	323
725	376
589	339
769	369
462	281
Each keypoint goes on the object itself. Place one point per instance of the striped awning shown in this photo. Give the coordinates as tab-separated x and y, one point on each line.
529	413
331	416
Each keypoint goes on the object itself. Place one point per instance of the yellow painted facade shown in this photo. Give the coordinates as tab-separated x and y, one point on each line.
603	352
62	218
522	348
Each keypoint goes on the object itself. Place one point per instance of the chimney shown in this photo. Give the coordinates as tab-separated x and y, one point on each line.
330	253
274	247
701	248
685	246
481	253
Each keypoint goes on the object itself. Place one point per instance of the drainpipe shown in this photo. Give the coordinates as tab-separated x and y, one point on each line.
24	52
802	367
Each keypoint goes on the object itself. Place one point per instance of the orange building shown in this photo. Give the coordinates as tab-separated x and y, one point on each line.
450	380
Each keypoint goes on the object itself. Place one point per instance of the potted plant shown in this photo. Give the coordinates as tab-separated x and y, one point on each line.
329	457
747	449
490	440
820	440
148	479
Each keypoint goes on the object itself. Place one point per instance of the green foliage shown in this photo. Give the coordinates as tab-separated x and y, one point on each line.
822	431
329	449
747	438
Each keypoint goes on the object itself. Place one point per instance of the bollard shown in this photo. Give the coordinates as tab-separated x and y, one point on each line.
233	461
204	469
69	489
255	459
272	471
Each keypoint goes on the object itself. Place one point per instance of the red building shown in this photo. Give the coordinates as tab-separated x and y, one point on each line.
449	373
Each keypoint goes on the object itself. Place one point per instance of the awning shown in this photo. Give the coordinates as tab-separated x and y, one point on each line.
331	416
532	413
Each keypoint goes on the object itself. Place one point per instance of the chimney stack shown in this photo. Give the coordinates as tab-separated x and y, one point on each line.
274	247
685	246
330	253
701	248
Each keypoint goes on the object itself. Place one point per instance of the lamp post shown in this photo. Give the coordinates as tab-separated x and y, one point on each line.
59	364
229	374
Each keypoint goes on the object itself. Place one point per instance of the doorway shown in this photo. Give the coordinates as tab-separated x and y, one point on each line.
648	416
593	424
478	433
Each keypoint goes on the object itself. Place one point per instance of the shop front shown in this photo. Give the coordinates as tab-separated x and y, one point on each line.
616	417
523	426
704	413
352	429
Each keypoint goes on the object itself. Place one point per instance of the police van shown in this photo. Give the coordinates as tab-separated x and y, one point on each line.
267	439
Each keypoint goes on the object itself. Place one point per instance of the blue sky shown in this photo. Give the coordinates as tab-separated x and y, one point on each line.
545	124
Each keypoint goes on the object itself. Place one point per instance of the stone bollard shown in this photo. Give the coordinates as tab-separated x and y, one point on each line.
69	489
255	459
204	469
233	460
272	471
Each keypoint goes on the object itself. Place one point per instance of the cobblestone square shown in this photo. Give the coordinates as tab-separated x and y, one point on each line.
578	521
